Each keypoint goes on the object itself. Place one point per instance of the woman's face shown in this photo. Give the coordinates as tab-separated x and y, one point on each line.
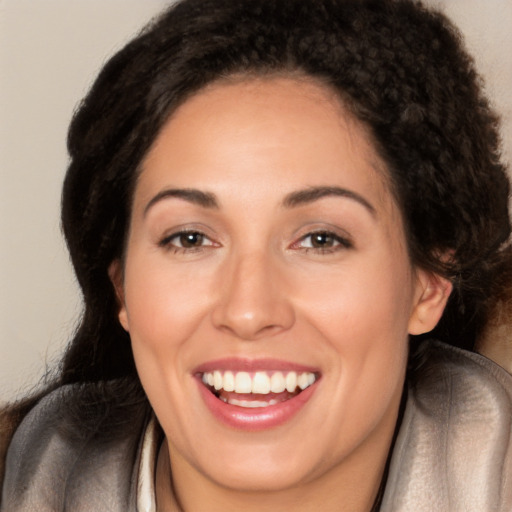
266	254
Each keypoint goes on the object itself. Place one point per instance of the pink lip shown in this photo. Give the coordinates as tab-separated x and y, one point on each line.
253	365
248	419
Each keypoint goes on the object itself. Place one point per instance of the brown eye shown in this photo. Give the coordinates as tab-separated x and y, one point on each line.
322	240
184	240
188	240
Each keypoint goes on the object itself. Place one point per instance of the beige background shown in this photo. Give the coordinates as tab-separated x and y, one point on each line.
50	50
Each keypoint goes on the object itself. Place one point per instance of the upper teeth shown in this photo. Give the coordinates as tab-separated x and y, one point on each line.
259	382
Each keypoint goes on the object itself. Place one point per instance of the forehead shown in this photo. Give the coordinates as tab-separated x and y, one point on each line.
255	134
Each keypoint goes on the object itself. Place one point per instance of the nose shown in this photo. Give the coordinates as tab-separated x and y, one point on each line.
253	302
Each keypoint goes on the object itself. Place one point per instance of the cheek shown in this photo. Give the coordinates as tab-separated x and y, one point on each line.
362	312
163	306
358	314
358	305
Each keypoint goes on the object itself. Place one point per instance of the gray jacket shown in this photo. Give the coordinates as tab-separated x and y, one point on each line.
453	452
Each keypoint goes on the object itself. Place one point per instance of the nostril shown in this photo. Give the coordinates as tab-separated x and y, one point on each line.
250	333
253	323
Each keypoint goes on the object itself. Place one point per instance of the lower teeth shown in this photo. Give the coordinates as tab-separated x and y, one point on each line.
249	403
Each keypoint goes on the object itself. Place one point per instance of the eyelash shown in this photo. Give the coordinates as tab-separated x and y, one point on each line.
166	242
339	242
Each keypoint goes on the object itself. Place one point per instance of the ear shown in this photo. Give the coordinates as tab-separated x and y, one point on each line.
431	295
115	272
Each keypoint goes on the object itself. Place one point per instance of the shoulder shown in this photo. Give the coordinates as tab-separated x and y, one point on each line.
469	384
76	450
454	447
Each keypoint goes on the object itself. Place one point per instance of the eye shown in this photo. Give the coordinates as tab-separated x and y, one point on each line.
184	240
323	241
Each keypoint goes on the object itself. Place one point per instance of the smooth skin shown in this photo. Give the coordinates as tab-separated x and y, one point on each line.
267	269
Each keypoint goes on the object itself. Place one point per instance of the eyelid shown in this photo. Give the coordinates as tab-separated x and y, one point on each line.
343	240
165	241
177	235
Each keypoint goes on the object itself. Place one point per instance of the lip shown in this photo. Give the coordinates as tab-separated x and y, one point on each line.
253	365
254	419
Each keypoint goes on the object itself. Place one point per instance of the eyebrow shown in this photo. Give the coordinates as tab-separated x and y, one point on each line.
292	200
192	195
309	195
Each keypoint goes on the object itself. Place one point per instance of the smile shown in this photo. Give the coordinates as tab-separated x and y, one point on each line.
255	395
258	389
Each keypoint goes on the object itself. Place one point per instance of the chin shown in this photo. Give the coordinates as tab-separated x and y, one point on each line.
258	475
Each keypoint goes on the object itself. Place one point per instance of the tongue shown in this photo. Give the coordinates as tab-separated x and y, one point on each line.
278	397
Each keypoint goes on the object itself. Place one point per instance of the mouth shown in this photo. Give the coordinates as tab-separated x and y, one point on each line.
253	398
257	389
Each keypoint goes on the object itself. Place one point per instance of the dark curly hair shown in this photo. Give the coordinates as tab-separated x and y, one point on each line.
398	67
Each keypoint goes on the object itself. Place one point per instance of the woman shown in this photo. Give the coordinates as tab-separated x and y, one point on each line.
273	209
